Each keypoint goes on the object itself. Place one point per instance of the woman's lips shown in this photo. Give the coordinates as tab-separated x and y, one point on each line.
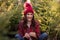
29	18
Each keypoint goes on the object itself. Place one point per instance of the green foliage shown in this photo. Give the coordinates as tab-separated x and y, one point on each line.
10	19
13	25
49	17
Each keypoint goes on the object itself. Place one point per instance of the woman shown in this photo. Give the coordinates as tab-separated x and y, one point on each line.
28	28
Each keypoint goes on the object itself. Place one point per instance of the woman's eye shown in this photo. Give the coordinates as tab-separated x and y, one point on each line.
28	14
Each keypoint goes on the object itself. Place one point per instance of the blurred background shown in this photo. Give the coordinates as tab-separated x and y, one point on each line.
47	12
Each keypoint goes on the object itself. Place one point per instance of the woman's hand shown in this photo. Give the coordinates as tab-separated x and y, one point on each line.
33	34
27	35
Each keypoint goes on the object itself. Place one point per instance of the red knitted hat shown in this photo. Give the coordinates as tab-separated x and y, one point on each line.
28	8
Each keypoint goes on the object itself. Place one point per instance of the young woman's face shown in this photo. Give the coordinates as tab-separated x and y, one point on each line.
29	16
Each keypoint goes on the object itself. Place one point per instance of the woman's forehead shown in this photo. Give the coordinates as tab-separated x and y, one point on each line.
29	13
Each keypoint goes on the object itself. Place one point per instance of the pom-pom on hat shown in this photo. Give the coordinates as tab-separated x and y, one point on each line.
28	8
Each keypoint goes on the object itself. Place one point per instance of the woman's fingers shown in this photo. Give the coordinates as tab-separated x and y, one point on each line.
27	35
32	34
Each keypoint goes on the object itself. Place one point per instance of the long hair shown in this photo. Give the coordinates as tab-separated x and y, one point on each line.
25	22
